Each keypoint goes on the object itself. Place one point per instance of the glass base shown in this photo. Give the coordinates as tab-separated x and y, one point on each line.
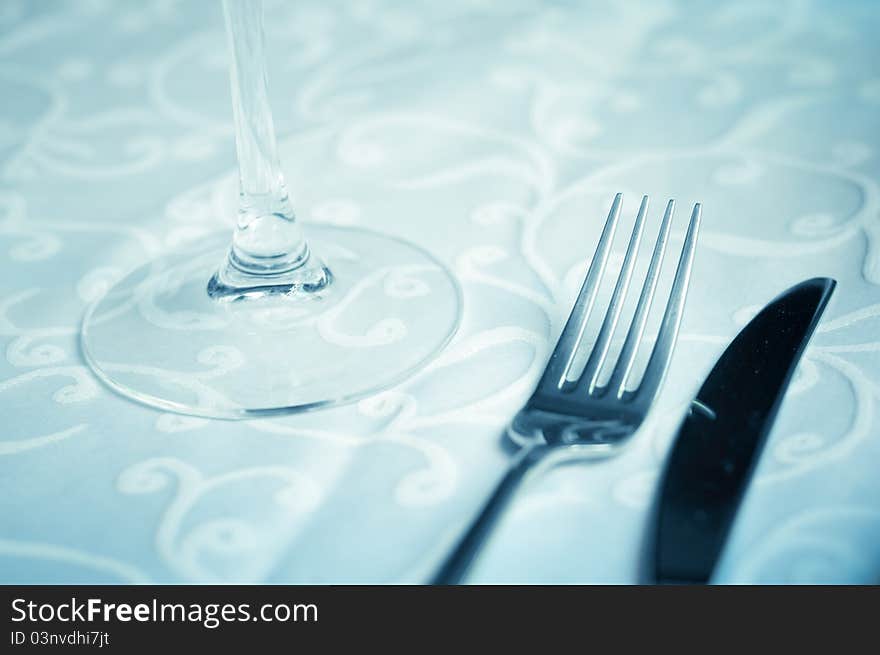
158	337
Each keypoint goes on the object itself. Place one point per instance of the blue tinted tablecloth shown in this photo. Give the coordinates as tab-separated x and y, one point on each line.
494	134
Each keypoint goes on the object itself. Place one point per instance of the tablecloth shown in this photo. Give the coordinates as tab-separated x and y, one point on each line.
493	134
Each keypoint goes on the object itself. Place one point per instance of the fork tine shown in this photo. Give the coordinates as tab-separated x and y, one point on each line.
662	352
567	345
590	374
617	382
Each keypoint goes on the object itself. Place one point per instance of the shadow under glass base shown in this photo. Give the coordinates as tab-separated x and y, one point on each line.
158	337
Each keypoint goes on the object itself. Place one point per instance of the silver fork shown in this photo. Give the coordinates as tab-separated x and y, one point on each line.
568	417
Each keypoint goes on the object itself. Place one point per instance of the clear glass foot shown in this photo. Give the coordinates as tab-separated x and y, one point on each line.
291	344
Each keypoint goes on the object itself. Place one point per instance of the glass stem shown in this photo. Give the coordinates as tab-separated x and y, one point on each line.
268	246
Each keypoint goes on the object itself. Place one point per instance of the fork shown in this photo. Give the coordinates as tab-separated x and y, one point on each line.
568	416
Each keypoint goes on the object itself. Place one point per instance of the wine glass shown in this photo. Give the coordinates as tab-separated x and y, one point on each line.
289	317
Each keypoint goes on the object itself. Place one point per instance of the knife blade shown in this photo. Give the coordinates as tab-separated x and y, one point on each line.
721	438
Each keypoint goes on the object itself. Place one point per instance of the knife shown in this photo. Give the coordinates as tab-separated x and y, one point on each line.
722	435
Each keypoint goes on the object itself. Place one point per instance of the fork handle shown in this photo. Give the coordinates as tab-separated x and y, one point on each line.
456	566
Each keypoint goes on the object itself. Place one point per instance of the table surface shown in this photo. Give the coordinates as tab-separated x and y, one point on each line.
493	134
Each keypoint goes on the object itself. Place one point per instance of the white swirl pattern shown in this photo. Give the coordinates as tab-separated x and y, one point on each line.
492	134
